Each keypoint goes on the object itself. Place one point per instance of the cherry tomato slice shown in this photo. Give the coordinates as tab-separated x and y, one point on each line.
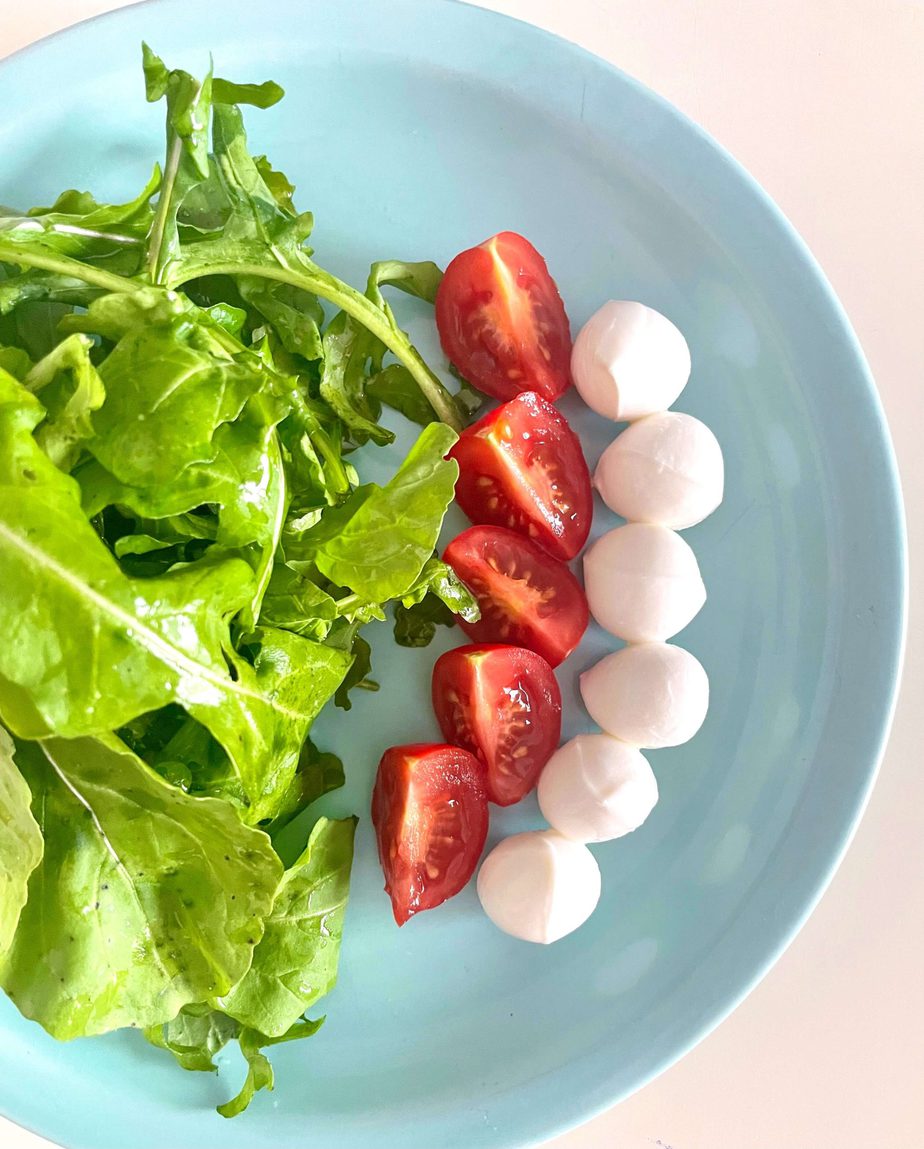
502	322
527	598
522	467
503	704
430	812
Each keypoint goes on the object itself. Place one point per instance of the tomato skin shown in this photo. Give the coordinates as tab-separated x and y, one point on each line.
430	813
526	597
502	322
503	704
522	467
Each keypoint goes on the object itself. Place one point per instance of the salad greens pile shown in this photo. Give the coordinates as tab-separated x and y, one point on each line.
187	559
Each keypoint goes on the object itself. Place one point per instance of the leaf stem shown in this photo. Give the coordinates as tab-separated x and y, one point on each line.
336	475
364	311
158	227
64	265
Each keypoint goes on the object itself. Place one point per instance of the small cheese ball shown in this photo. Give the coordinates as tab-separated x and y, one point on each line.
643	583
595	788
651	695
666	468
539	886
629	361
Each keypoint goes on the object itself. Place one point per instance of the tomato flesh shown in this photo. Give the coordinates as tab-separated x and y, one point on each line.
527	598
503	704
430	813
502	322
522	467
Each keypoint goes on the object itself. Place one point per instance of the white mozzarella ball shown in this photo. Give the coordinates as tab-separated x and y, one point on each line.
643	582
539	885
629	360
651	695
665	469
595	788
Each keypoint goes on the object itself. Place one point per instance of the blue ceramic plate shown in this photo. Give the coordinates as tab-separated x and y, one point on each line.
415	128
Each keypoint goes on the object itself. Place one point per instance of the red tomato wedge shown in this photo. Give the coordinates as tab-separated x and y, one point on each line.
522	467
526	597
502	322
430	812
503	704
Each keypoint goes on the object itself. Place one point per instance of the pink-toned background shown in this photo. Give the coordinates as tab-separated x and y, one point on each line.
823	100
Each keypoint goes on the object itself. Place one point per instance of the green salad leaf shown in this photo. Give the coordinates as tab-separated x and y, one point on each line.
110	237
169	388
195	1036
264	729
20	842
198	1033
128	907
379	549
436	599
358	676
296	962
259	1070
71	391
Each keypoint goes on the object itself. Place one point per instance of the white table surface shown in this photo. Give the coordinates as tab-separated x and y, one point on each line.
823	100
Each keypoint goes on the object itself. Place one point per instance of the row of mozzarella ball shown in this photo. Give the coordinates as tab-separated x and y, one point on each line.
663	473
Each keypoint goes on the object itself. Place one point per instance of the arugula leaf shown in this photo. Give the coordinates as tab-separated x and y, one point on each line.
259	1076
119	312
415	626
168	390
257	95
139	545
395	387
194	1036
241	476
227	316
295	602
381	548
36	286
263	725
440	580
295	314
352	373
295	964
278	183
71	391
259	1071
243	222
109	236
147	869
20	842
33	327
15	362
357	677
198	1032
319	772
188	104
350	352
420	279
434	600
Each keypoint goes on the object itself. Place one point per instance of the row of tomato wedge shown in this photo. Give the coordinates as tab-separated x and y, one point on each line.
524	482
